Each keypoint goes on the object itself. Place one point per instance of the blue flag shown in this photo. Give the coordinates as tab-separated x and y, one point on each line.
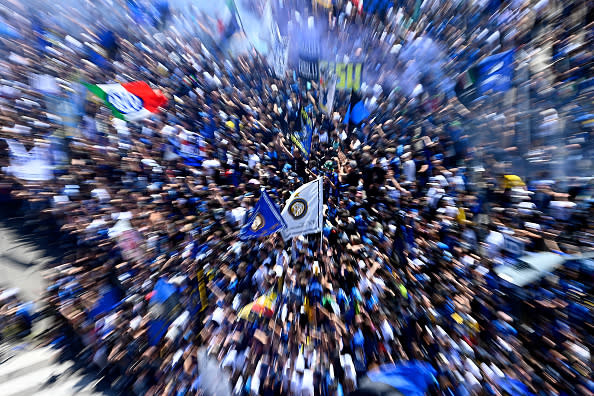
376	6
347	116
231	28
163	308
410	378
514	387
190	152
265	219
495	72
302	138
358	113
109	300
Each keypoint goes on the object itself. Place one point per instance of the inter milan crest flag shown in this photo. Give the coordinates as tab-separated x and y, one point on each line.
303	211
131	101
264	221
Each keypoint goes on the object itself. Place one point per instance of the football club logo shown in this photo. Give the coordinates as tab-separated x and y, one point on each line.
125	102
298	208
258	223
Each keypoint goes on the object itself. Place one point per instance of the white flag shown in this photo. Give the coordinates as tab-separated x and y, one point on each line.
303	211
34	165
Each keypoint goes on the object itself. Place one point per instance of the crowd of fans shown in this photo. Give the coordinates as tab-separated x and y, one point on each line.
417	209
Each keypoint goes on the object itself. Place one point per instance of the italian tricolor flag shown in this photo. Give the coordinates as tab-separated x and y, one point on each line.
130	101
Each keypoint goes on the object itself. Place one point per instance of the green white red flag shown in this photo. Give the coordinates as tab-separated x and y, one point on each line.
130	101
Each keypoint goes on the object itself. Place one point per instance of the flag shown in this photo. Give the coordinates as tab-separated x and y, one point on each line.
303	210
373	6
163	308
412	378
231	6
466	86
188	149
327	97
309	56
130	101
302	138
356	112
33	165
265	219
495	72
109	300
109	42
359	113
513	386
232	26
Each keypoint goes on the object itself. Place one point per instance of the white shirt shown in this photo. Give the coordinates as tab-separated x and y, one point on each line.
349	368
495	242
387	332
238	215
168	130
410	170
282	258
253	160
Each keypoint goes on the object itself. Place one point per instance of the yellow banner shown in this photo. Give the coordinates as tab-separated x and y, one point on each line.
348	75
325	3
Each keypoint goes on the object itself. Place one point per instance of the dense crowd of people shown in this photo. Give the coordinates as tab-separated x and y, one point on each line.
419	202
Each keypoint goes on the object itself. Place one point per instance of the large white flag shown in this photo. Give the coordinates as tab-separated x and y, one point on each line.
33	165
303	211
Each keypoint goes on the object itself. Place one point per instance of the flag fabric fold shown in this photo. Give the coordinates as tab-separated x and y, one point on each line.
302	138
356	112
130	101
265	219
303	210
33	165
163	308
495	72
327	97
410	378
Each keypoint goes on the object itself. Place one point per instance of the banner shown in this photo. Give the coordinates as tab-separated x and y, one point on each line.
348	75
265	219
495	72
303	211
186	149
327	89
278	48
309	54
302	138
280	57
513	246
325	3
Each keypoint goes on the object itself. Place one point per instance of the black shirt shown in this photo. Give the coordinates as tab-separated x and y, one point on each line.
300	167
